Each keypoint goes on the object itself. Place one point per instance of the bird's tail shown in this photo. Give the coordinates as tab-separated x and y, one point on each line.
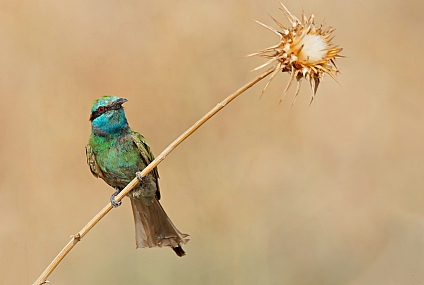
154	228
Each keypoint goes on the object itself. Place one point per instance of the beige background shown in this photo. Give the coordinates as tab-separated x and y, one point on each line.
326	194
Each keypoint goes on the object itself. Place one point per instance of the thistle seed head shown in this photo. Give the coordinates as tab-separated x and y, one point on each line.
305	51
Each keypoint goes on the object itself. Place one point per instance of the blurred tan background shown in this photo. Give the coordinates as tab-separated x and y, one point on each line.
326	194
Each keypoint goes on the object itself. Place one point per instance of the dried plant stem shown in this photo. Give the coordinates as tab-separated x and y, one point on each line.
76	238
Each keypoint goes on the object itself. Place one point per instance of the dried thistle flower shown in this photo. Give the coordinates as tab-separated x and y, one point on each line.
305	51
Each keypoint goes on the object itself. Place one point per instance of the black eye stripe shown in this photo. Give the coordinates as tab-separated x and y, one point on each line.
96	113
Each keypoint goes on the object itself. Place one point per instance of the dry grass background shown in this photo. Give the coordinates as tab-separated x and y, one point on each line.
327	194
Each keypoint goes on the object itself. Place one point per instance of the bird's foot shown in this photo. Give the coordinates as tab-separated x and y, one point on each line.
112	198
140	178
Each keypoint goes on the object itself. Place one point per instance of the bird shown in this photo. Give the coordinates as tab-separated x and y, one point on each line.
117	154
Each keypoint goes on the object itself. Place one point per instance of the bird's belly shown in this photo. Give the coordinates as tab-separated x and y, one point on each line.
119	166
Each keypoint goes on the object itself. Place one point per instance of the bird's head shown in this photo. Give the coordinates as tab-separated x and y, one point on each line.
108	116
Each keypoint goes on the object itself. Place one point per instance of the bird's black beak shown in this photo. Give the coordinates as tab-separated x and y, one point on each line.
120	101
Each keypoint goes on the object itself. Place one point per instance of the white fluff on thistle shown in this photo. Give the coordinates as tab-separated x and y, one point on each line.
314	48
305	51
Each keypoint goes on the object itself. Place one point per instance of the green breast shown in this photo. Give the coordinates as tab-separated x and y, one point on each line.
117	157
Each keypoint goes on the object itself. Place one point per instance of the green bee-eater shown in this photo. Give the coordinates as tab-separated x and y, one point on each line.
116	154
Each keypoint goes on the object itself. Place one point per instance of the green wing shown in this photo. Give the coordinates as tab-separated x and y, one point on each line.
146	154
91	161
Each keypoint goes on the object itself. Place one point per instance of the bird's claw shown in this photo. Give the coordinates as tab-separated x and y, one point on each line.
139	177
112	198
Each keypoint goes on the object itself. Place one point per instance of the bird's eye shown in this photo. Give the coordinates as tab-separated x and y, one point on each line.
101	109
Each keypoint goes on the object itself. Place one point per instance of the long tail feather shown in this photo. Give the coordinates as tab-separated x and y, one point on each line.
153	228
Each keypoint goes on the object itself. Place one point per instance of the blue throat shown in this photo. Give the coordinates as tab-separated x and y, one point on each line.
111	123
